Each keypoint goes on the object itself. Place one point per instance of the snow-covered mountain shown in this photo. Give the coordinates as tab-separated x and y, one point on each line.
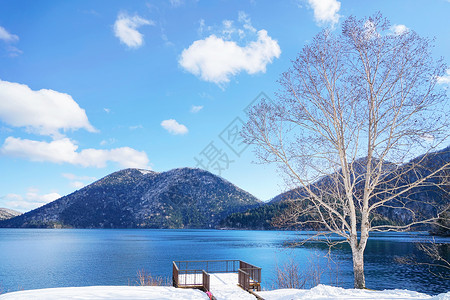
134	198
6	213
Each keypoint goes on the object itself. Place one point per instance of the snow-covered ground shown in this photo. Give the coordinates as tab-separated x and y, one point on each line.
108	292
321	292
224	286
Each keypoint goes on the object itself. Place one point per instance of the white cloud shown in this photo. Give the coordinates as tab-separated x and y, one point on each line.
325	11
245	19
444	79
205	95
65	151
44	111
134	127
30	201
230	29
215	59
125	29
109	141
176	3
201	27
399	29
71	176
218	57
13	51
428	137
173	127
7	37
107	110
78	181
196	108
77	184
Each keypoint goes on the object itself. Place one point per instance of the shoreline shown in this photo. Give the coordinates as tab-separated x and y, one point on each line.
323	292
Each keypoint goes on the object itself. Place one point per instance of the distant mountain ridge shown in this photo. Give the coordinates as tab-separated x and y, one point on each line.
261	217
6	213
134	198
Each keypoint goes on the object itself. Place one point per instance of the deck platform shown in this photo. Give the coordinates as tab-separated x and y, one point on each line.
225	286
225	279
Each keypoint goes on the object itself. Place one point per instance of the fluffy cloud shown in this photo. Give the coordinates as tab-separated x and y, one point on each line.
44	111
173	127
125	29
444	79
325	11
65	151
399	29
30	201
196	108
6	36
215	59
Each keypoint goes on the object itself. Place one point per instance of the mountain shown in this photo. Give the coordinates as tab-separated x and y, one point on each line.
359	167
421	200
134	198
6	213
259	218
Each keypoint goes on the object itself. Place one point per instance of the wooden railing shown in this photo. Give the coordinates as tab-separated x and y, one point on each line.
195	273
249	276
210	266
206	281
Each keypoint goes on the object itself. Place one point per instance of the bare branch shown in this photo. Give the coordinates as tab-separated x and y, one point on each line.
352	112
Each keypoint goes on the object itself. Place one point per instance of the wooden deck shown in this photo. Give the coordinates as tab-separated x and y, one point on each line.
222	285
225	286
232	279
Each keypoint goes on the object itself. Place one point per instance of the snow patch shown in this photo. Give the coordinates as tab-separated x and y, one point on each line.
145	172
224	286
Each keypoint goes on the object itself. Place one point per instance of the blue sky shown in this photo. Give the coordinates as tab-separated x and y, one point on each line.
91	87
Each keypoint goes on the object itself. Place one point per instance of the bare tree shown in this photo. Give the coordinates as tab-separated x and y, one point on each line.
291	275
145	278
351	113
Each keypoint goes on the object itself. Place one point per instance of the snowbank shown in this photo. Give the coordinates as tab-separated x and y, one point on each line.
108	292
323	292
320	292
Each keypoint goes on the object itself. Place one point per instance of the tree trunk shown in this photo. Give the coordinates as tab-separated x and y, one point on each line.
358	268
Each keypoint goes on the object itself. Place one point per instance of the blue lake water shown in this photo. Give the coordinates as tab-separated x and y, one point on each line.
45	258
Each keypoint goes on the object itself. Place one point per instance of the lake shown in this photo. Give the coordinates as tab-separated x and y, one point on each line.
46	258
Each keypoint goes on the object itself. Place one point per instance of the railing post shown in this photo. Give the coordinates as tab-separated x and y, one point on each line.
174	274
205	280
247	282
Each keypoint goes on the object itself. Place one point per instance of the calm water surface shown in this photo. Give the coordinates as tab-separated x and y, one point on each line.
45	258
